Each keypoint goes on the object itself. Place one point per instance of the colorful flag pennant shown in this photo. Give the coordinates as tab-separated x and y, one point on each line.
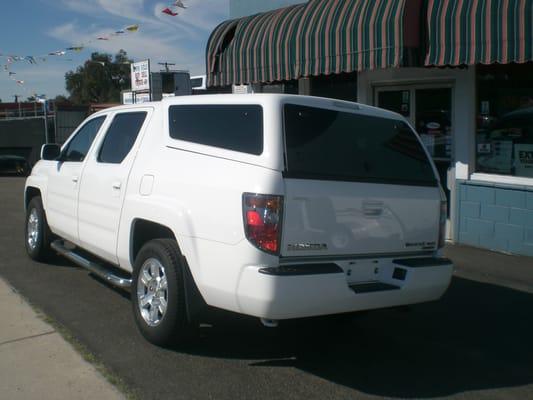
168	11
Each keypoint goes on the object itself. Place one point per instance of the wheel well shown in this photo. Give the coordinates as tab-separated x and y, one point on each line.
31	192
143	231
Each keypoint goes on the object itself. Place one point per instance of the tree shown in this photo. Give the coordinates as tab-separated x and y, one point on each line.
100	79
60	99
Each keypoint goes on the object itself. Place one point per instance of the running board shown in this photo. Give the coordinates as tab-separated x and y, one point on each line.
97	269
369	287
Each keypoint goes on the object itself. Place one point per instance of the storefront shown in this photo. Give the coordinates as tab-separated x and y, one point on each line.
496	201
460	71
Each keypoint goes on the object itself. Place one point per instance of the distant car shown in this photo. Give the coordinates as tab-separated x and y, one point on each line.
14	165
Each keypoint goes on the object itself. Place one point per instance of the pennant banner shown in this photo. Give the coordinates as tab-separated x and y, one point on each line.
11	59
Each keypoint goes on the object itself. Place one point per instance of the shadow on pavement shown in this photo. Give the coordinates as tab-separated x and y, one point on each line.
479	336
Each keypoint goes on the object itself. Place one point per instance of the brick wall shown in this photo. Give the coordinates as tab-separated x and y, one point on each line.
495	217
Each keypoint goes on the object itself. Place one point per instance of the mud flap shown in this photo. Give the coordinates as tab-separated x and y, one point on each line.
194	301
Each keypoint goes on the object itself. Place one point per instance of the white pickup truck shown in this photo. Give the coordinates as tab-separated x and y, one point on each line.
274	206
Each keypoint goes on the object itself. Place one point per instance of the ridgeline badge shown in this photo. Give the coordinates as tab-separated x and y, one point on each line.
307	246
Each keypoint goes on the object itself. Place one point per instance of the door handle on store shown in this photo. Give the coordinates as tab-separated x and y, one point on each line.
75	179
117	185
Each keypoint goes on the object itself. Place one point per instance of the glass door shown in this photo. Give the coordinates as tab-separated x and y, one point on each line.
429	109
433	122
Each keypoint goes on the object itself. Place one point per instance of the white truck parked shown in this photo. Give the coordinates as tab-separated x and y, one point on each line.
274	206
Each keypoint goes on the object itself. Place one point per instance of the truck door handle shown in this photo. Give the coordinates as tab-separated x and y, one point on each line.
116	185
75	179
372	208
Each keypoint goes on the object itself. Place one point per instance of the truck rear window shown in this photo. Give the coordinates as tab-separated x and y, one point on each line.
232	127
334	145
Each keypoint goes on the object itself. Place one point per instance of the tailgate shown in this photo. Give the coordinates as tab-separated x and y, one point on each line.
329	218
357	182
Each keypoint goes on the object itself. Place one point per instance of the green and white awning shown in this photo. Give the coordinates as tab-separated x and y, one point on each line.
314	38
479	31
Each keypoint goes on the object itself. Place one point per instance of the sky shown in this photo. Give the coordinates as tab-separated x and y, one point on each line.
38	27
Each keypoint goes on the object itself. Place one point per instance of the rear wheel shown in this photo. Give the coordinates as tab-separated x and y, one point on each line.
158	295
37	233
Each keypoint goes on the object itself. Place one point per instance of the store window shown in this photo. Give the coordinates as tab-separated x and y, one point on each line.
335	86
504	137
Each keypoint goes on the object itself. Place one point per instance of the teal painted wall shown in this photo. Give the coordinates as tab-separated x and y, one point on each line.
241	8
495	216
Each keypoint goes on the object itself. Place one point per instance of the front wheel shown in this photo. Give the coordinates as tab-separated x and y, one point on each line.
37	233
158	296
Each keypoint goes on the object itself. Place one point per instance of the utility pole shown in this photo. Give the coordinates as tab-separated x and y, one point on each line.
43	101
166	64
16	96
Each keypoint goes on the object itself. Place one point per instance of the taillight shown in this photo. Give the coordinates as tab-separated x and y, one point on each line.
262	220
442	222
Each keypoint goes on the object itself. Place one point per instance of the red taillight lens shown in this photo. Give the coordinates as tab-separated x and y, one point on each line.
262	220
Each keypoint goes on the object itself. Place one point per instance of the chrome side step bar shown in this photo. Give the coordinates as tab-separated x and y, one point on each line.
97	269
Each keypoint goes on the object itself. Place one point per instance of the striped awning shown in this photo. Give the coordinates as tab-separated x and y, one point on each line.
314	38
479	31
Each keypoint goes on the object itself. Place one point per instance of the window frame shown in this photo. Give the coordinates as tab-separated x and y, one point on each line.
66	146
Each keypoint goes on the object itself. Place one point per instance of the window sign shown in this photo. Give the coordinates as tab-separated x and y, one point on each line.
484	148
524	159
500	159
485	108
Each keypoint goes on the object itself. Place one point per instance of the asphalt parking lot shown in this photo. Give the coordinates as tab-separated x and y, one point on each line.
476	343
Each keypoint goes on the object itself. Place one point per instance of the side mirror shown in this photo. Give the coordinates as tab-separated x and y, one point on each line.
50	151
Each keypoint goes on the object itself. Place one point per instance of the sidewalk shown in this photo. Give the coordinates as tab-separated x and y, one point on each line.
483	265
37	363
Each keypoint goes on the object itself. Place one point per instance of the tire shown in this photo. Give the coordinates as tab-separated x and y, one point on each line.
37	234
160	325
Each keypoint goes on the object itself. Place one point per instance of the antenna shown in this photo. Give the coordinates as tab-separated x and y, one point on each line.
166	64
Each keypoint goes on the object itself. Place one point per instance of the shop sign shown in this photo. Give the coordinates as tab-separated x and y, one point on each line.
140	75
524	159
129	97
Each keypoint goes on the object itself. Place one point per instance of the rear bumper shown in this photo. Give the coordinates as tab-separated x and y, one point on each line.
292	293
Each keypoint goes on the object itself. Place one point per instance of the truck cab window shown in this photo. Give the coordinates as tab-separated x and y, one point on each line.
79	146
120	137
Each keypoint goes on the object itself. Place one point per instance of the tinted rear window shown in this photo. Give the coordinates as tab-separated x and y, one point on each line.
333	145
232	127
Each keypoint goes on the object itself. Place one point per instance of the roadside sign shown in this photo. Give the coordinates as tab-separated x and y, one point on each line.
140	76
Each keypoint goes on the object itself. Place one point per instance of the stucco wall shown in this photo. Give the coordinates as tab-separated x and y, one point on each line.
241	8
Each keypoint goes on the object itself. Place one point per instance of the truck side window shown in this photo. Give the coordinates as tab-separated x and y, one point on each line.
120	137
80	144
232	127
